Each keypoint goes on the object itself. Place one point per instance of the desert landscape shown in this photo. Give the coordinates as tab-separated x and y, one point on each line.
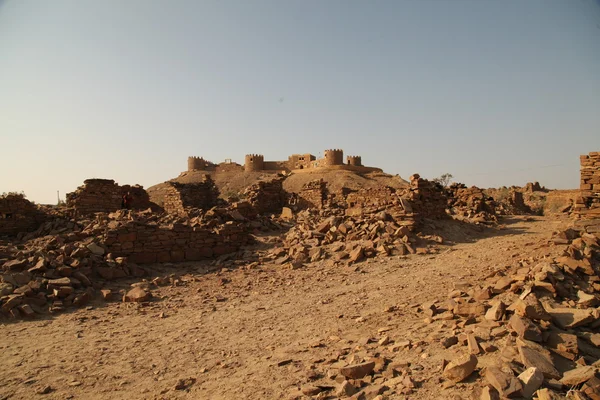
302	279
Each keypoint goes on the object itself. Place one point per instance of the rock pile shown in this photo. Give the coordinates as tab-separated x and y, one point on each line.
428	198
470	204
66	262
540	318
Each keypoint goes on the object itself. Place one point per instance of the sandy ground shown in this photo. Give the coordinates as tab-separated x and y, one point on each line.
262	333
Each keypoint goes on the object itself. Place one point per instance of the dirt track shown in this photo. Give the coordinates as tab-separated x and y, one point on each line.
230	329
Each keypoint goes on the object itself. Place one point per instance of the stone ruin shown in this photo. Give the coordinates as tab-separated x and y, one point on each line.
587	206
178	197
18	215
104	195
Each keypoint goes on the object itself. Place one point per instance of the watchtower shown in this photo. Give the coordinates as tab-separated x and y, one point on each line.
196	163
334	157
354	160
254	162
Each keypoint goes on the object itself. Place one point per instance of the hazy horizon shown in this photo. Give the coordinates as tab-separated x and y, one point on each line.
495	93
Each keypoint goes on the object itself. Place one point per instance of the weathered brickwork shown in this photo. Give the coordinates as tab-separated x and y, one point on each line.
149	243
104	195
267	196
314	194
181	196
17	214
588	204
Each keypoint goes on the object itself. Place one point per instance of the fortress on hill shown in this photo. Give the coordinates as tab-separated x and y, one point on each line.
332	159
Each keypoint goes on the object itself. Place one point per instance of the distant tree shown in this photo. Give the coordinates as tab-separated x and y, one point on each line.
444	180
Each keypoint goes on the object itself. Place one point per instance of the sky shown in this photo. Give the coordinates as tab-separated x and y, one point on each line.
497	93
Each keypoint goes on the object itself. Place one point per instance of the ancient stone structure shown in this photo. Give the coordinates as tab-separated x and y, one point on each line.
428	198
104	195
333	157
354	160
17	214
267	196
199	164
588	204
301	161
181	196
313	195
96	195
256	163
150	243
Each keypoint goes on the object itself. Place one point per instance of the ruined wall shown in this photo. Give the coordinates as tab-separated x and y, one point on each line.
332	157
179	196
96	195
427	198
254	162
267	196
104	195
146	243
313	195
17	214
588	204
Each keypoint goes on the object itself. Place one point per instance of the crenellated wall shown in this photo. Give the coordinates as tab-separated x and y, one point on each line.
333	157
254	162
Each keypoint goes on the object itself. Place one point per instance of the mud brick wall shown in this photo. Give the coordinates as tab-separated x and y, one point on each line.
588	204
313	194
179	196
17	214
140	198
148	243
267	196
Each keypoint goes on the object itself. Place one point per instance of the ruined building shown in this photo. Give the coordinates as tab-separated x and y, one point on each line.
180	196
104	195
17	214
587	205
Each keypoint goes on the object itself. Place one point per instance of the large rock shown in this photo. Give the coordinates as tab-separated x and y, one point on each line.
95	249
534	355
525	328
505	383
460	368
578	375
531	308
568	318
137	295
531	380
357	371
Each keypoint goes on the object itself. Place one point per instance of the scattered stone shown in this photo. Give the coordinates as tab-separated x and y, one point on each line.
357	371
460	368
506	384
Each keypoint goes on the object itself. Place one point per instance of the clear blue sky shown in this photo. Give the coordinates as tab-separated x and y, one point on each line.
494	92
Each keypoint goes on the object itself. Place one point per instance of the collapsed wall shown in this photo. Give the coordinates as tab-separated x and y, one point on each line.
17	214
428	198
104	195
313	195
180	196
267	196
151	243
